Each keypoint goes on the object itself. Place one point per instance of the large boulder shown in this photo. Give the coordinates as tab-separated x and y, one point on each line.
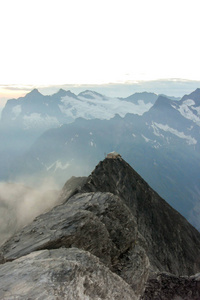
61	274
98	222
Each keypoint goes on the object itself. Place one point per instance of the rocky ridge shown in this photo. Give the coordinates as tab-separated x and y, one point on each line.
168	235
112	237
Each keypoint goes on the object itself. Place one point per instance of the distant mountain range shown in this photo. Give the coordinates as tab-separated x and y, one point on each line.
38	112
157	135
26	118
41	112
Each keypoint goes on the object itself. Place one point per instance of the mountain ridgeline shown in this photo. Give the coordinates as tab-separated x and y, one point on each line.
157	135
23	120
113	237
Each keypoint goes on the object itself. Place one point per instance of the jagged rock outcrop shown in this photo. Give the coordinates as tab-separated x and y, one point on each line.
61	274
71	187
97	222
110	226
90	221
173	245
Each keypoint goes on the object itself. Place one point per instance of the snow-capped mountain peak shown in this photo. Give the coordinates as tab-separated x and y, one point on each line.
88	94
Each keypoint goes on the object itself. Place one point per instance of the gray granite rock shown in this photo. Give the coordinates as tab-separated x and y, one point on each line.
166	286
97	222
60	274
71	187
173	243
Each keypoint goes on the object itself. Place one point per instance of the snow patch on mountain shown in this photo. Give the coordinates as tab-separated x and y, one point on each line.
187	109
68	106
58	165
157	146
92	95
145	138
35	120
93	107
92	144
156	130
189	139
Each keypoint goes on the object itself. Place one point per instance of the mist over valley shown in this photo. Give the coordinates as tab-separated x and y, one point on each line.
65	134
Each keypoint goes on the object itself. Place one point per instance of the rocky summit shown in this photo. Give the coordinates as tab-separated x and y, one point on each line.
113	237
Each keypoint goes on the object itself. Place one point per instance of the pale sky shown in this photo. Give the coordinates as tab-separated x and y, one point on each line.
55	42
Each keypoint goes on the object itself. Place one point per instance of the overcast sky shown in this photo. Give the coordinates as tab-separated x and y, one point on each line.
57	42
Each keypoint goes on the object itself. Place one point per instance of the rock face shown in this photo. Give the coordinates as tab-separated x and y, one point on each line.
85	222
173	245
61	274
71	187
112	238
167	286
97	222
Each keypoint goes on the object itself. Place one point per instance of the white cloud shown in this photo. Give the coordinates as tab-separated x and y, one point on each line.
20	204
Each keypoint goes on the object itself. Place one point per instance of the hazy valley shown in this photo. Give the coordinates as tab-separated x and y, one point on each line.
66	135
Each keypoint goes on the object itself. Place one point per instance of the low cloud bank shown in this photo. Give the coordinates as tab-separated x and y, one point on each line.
20	204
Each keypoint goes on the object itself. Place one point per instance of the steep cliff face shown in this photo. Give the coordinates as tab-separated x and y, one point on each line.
173	244
112	237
